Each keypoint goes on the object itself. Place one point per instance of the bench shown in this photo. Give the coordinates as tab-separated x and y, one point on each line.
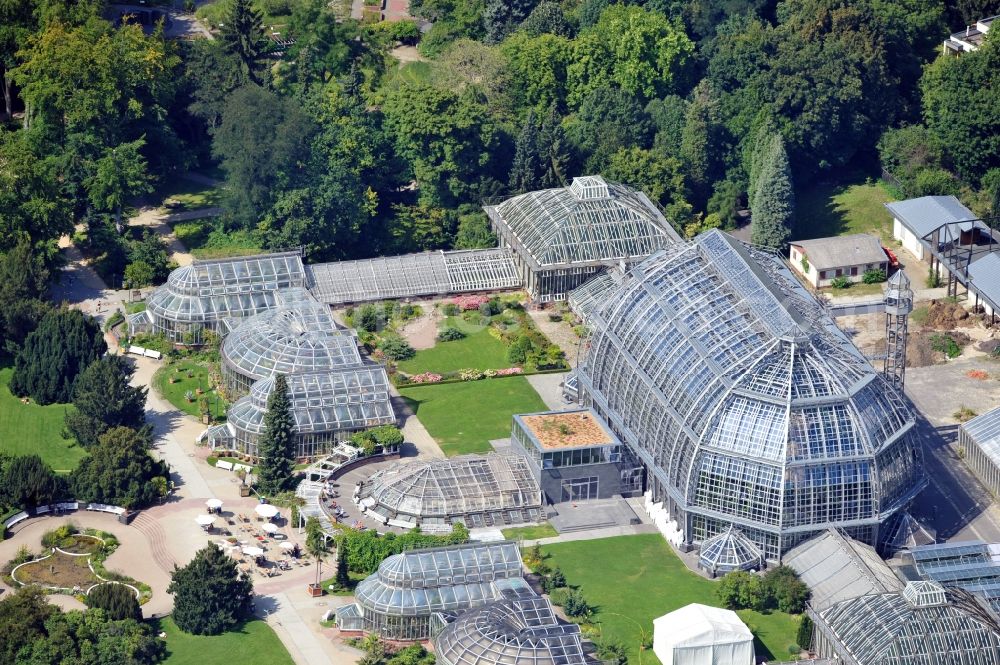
222	464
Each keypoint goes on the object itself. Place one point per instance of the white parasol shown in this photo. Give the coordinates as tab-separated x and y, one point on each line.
253	551
270	527
266	510
287	545
205	520
214	503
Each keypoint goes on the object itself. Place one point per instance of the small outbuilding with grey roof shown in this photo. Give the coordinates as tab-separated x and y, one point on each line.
915	219
980	437
823	260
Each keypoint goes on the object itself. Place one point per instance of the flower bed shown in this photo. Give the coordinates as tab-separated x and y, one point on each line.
402	379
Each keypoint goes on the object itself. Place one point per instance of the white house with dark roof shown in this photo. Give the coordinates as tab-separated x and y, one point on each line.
969	39
822	260
913	220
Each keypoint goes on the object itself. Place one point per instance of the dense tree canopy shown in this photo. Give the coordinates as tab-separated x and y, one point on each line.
120	471
211	596
27	482
104	399
54	354
118	601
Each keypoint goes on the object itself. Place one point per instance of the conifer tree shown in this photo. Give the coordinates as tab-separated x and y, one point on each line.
525	173
554	150
276	445
210	594
243	36
342	579
773	203
104	399
54	354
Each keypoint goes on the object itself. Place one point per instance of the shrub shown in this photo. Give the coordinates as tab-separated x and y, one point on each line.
366	318
876	276
450	334
576	606
611	651
804	635
117	600
396	348
387	436
933	279
946	345
840	282
450	309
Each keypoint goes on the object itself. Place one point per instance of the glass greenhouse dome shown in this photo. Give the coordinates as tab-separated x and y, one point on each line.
562	237
327	407
478	490
517	631
300	336
745	402
203	295
729	551
398	601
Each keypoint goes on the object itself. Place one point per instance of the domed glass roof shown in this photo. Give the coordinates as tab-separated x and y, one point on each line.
452	487
730	550
746	402
300	336
518	631
590	221
345	399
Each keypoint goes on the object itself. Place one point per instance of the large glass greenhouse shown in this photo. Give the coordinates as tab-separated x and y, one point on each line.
397	602
745	402
925	624
477	490
563	237
327	407
514	631
207	294
300	336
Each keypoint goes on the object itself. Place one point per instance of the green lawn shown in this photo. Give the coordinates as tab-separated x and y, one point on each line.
253	644
463	417
180	194
824	210
32	429
478	350
537	532
175	393
634	579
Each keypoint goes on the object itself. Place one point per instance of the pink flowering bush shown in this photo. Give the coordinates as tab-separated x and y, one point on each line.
426	377
510	371
468	303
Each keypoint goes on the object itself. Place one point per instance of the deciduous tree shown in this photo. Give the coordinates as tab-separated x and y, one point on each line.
120	471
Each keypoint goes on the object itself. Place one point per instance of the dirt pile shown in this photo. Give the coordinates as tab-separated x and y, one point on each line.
931	347
946	315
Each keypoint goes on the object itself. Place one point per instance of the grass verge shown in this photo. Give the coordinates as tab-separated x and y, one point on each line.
27	429
253	643
536	532
634	579
477	350
464	417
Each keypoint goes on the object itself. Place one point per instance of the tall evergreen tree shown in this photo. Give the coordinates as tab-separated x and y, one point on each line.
554	148
342	579
23	280
243	35
276	446
54	354
210	594
104	399
502	17
28	481
117	600
525	172
773	202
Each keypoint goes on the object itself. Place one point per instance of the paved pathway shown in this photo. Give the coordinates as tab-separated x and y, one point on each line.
159	220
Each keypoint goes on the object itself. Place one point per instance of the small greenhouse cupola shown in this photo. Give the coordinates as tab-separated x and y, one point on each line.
590	187
729	551
925	594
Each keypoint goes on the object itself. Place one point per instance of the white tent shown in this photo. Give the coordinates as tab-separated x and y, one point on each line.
702	635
